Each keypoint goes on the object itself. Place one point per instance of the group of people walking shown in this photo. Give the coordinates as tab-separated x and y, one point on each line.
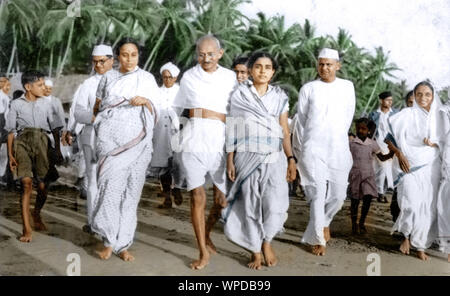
230	128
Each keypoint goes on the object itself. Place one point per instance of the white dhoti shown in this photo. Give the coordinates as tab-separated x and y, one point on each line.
3	158
200	155
443	211
91	177
383	174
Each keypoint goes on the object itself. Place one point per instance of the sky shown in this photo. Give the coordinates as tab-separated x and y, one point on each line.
415	33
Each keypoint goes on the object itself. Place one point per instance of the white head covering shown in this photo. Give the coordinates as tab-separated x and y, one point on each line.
171	68
48	82
328	53
102	50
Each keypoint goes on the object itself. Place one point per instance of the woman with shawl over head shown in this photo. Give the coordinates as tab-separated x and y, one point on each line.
414	137
259	162
126	100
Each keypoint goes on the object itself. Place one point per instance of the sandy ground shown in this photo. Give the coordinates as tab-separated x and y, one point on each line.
165	242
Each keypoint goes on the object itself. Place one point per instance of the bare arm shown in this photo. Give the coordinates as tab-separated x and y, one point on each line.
231	170
403	161
292	167
12	160
384	157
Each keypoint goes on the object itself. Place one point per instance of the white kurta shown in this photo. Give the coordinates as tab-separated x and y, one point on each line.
383	169
80	121
325	113
201	143
417	191
167	126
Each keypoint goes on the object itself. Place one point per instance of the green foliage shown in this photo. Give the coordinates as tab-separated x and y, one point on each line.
40	34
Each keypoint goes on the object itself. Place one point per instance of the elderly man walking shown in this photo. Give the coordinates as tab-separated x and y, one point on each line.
205	91
325	112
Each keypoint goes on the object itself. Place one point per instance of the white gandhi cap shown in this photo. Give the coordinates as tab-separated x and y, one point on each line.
328	53
174	71
48	82
102	50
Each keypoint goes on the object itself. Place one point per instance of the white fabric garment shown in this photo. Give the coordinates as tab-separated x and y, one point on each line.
383	169
325	199
80	122
325	113
168	125
174	71
417	191
59	117
200	89
443	200
258	199
123	147
4	103
199	146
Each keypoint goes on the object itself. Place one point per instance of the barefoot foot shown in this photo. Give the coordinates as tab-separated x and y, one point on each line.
256	262
326	233
422	256
38	223
26	237
201	263
318	250
126	256
405	246
269	255
210	246
105	253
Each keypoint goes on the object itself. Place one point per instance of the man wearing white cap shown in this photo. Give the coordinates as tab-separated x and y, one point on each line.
325	112
167	125
81	118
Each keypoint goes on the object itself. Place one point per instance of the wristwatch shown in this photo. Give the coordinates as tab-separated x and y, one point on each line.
293	157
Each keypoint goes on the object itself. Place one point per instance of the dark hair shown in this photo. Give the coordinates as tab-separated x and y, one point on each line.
408	95
384	95
424	83
239	61
372	126
255	56
17	94
363	120
124	41
31	76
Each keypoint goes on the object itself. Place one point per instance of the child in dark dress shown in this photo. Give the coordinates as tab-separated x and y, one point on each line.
362	175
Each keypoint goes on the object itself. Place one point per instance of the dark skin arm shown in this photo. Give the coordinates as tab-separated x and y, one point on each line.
403	161
12	160
384	157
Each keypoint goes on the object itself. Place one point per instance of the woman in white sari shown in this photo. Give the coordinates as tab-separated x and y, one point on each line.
126	102
415	136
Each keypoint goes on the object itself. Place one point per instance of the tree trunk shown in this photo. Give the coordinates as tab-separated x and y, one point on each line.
13	51
371	95
155	48
51	64
69	42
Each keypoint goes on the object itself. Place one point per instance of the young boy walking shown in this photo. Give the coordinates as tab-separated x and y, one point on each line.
28	122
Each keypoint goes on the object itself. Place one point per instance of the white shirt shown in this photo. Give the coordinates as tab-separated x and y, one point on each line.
325	113
4	103
383	129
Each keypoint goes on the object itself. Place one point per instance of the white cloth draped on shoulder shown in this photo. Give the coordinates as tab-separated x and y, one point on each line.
417	190
123	147
258	199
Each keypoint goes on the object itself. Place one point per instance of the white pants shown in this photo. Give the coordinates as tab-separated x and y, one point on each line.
91	177
325	199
